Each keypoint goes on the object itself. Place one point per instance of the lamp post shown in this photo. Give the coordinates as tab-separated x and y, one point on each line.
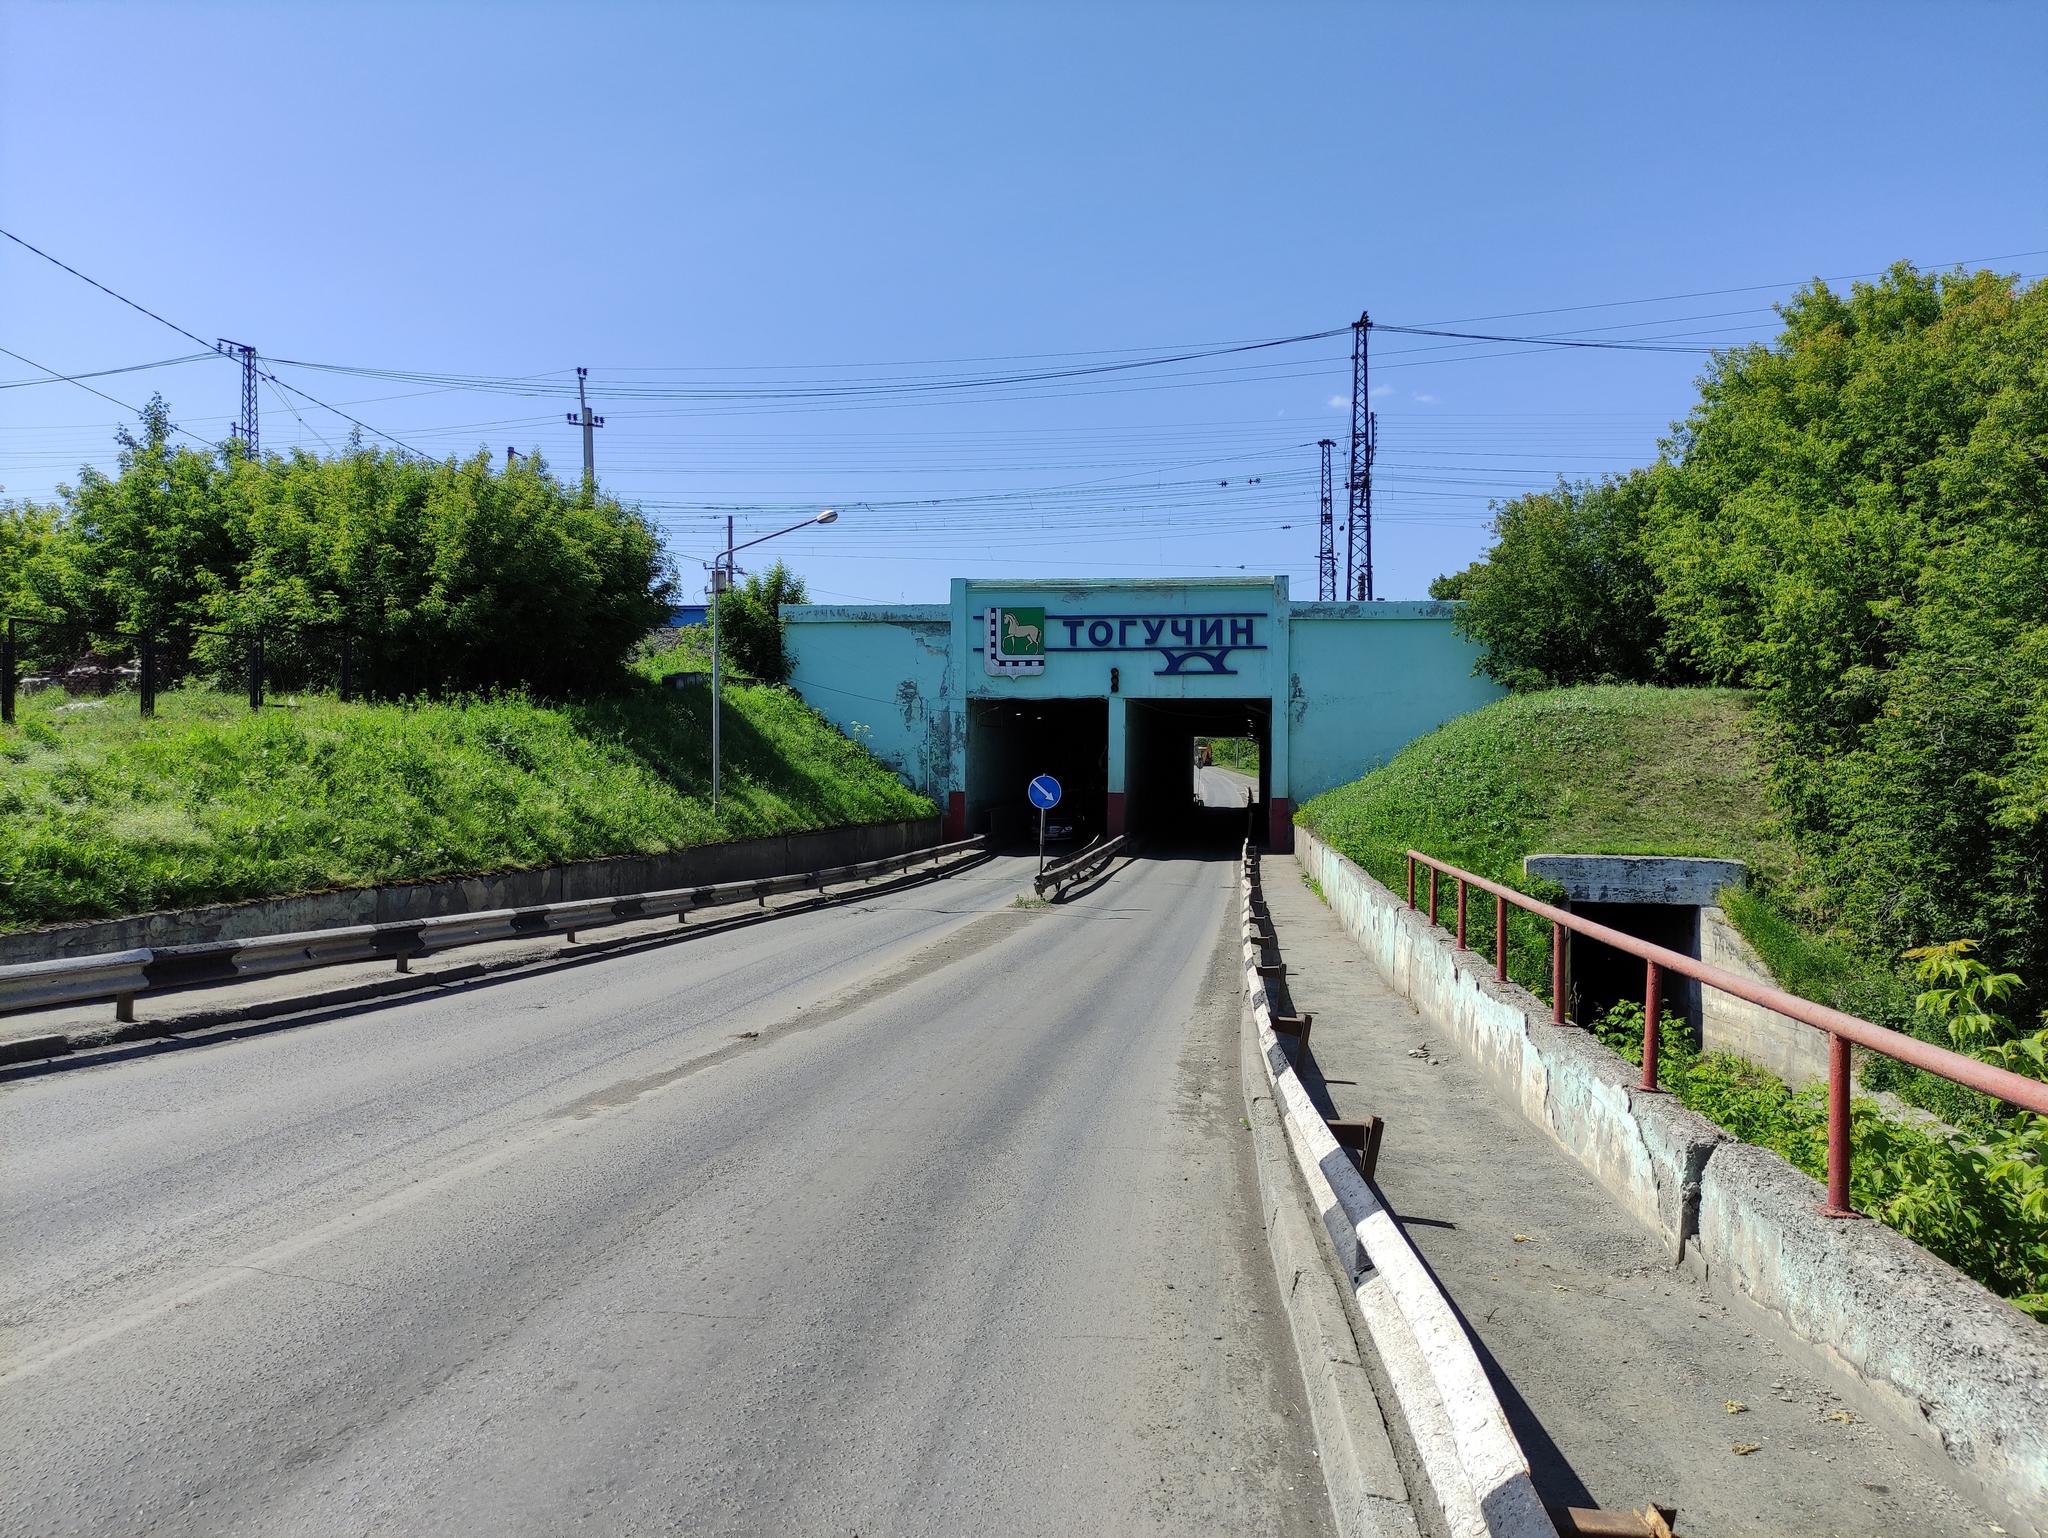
721	584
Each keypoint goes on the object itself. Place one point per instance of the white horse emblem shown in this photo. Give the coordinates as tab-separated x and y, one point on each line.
1014	632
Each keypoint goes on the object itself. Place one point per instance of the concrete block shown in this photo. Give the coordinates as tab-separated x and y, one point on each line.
1632	878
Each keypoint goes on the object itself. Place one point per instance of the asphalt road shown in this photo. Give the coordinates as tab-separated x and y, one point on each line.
924	1214
1224	787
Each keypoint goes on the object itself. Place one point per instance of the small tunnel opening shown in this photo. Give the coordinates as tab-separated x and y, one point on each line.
1602	976
1167	795
1011	742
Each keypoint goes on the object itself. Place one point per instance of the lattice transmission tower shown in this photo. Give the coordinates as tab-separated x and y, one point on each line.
1326	554
1364	439
246	356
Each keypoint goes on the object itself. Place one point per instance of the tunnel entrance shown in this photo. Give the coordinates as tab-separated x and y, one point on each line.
1164	792
1011	741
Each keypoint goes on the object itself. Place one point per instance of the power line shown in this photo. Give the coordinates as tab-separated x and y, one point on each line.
102	373
68	379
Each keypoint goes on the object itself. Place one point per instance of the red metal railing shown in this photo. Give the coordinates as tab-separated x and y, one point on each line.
1842	1030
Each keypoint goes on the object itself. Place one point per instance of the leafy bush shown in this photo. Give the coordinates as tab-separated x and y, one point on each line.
450	578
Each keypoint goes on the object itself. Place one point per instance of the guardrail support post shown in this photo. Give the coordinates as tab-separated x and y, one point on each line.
1411	882
146	654
404	961
1461	913
1432	897
1500	939
1557	974
256	669
1652	983
1838	1130
7	675
124	1008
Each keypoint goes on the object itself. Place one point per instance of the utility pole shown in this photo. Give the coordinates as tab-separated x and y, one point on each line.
1326	553
587	422
246	356
721	580
1364	439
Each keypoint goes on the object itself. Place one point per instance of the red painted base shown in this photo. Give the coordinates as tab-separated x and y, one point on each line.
1115	815
1280	828
956	816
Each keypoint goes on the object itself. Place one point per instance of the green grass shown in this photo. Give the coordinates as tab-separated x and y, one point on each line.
1621	769
1612	769
103	813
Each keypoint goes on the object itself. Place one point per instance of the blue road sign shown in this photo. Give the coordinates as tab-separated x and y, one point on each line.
1045	792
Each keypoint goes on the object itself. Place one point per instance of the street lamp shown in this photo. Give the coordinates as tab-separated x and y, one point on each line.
721	583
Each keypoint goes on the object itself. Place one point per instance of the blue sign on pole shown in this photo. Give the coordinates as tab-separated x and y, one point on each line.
1045	792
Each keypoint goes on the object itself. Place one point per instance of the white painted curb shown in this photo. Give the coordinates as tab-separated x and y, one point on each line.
1477	1470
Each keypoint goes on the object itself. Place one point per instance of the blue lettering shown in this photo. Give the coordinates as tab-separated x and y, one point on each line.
1240	632
1073	632
1152	629
1123	631
1212	632
1101	633
1183	631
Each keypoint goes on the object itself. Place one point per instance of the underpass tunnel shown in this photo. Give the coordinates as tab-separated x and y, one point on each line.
1011	742
1159	772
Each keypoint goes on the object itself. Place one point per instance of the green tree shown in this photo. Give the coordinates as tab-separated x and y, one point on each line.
1566	594
750	622
1854	523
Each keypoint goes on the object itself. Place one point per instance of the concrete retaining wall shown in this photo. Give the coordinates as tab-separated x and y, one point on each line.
1794	1052
748	859
1941	1351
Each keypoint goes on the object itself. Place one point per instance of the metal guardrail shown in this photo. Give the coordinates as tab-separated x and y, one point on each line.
1843	1030
1089	860
121	975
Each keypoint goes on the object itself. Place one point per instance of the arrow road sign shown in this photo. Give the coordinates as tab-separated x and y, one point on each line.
1045	792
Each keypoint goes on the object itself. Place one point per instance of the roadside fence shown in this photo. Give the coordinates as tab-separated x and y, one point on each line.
1087	862
121	975
150	645
1842	1030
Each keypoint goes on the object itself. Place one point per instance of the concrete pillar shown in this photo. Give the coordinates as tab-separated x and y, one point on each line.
1115	814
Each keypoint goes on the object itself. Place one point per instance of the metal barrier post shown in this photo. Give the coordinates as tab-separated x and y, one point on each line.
256	669
1500	939
1411	882
1557	974
1652	983
7	675
146	652
1461	913
1432	897
1838	1129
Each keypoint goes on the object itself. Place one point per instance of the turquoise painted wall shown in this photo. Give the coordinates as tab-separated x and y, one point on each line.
1368	679
1354	683
884	676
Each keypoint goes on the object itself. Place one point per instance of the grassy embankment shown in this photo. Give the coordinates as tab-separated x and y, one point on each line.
103	813
1628	770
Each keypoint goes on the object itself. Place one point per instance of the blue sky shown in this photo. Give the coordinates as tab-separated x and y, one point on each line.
724	210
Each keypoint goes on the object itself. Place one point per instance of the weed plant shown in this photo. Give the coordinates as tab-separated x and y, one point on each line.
1980	1204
